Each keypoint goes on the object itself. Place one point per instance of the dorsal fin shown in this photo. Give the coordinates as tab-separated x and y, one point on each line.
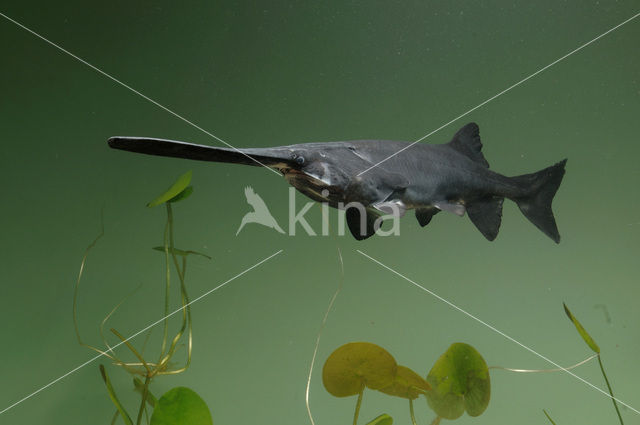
467	142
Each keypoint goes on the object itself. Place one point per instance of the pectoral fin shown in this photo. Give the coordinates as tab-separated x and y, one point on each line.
362	223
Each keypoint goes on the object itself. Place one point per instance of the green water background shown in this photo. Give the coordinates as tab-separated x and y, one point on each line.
275	73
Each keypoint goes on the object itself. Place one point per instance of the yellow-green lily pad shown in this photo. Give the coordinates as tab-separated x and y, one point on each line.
176	189
460	381
407	384
356	365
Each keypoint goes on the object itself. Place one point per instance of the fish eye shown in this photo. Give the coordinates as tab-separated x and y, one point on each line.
299	159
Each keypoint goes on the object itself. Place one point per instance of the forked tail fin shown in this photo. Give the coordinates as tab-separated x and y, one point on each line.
536	206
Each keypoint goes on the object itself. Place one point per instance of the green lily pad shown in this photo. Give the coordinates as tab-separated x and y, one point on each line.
182	195
356	365
407	384
583	333
180	406
383	419
460	381
176	189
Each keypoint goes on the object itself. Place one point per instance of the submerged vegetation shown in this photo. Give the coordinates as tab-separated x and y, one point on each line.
179	405
458	381
596	349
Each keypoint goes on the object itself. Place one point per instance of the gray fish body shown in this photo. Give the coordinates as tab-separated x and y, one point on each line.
453	177
435	173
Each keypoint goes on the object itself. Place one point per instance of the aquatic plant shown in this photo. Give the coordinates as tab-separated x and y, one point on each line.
458	381
180	404
596	349
356	365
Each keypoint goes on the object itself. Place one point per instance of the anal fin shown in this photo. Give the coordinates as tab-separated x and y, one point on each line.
486	215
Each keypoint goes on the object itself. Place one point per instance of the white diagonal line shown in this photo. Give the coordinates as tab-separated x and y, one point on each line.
503	92
449	303
138	333
134	90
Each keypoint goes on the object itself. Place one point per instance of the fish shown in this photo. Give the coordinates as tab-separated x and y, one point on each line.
373	178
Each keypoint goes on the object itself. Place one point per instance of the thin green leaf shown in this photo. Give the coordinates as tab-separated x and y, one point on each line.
383	419
548	417
115	417
583	333
180	252
181	405
114	398
182	195
179	186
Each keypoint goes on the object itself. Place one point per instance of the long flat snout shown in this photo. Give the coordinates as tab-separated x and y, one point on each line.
269	157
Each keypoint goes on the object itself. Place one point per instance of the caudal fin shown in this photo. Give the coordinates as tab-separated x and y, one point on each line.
536	206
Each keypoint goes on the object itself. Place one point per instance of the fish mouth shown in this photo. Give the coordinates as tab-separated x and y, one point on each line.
312	186
297	178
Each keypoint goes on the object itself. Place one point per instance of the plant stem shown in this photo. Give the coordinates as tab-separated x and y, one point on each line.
139	386
548	417
358	403
186	320
413	415
75	289
133	350
610	390
562	369
145	391
322	325
167	230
